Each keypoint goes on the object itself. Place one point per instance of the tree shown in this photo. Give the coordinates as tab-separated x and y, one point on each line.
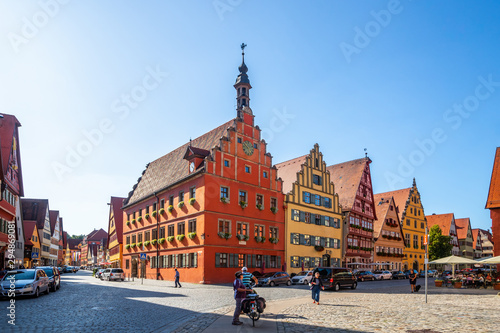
76	236
439	245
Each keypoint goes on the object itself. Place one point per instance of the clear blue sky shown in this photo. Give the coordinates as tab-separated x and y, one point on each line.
381	75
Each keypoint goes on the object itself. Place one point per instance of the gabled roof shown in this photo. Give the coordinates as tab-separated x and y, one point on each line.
172	167
73	243
53	216
347	177
442	220
382	204
400	199
65	239
487	233
97	235
29	227
475	235
196	152
7	134
287	171
462	227
34	210
116	206
493	200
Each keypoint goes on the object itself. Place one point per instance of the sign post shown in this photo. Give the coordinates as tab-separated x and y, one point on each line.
143	260
426	259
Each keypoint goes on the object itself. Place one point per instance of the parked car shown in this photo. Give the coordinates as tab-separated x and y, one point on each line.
60	269
407	273
396	275
28	282
99	273
54	277
110	274
364	276
382	275
303	277
273	279
430	273
336	277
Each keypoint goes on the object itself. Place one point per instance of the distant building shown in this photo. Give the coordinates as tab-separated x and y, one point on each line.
446	223
486	242
493	203
115	231
38	210
31	244
477	244
465	240
90	247
73	251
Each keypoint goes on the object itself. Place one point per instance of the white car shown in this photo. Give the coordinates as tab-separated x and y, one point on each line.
303	277
382	275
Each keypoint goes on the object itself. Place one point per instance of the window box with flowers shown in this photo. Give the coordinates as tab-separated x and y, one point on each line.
161	240
273	240
223	200
438	283
162	211
192	235
260	239
153	242
243	204
170	208
146	243
128	223
180	204
274	210
139	244
180	237
133	221
384	236
146	216
192	201
139	219
225	235
242	237
259	206
319	248
170	239
132	245
127	246
154	213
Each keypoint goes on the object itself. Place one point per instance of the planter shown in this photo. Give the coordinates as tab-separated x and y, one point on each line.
274	210
192	201
243	204
146	216
180	237
139	219
457	285
170	239
180	204
223	200
259	207
496	286
192	235
242	237
319	248
154	213
161	240
170	208
438	283
224	235
162	211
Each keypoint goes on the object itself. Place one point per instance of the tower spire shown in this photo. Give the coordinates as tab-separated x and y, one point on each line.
242	86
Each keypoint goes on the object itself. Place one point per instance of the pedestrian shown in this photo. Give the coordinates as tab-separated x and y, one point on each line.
247	277
316	286
239	295
177	276
413	280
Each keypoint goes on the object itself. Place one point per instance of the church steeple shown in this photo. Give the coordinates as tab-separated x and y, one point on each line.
242	86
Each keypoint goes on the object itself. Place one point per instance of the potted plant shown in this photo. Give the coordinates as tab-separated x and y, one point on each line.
146	243
180	204
127	246
243	204
274	210
128	223
180	237
170	208
259	207
170	239
139	219
223	200
192	201
273	240
154	213
438	283
192	235
496	285
132	245
153	241
162	211
161	240
139	244
147	216
457	283
133	221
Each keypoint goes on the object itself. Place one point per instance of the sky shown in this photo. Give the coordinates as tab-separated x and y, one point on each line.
103	88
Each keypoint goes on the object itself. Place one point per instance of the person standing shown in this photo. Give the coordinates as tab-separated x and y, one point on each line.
317	285
177	276
247	277
239	295
413	280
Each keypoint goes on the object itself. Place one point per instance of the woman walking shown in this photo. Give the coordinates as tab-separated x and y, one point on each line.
317	285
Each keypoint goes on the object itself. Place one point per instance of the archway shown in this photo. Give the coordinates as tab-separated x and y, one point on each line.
415	265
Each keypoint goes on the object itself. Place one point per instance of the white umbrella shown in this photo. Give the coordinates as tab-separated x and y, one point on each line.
492	260
453	260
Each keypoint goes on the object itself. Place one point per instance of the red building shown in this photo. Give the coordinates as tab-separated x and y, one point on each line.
354	186
90	247
209	207
493	203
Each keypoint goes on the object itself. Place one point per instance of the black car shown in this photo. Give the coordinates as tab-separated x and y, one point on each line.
336	277
396	275
364	276
54	277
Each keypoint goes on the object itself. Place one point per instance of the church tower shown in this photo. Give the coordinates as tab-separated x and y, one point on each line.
243	87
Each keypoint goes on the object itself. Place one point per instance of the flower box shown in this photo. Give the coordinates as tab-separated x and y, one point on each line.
133	221
146	243
192	235
273	240
170	239
139	219
146	216
180	204
192	201
170	208
128	223
259	207
139	244
259	239
243	204
153	242
242	237
127	246
161	240
180	237
223	200
496	286
274	210
162	211
438	283
154	213
224	235
457	284
132	245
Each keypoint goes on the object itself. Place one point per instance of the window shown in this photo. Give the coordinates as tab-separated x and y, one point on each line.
226	163
259	230
415	241
134	238
326	221
171	230
294	239
265	174
255	146
171	200
422	225
181	228
422	242
192	193
317	180
415	224
225	226
294	261
242	228
181	196
243	196
147	235
407	240
274	204
241	260
192	225
162	232
306	197
239	140
317	200
247	169
259	201
128	240
307	217
147	209
222	260
295	215
317	219
408	222
127	264
273	232
154	207
154	234
327	203
224	192
316	163
162	203
139	237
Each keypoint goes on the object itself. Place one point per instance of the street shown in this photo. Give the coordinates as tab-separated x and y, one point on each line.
86	304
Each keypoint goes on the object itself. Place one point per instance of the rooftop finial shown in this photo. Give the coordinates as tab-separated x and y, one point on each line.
366	154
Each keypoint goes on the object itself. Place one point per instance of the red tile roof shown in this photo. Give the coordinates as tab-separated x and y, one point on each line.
34	210
382	204
97	235
29	227
475	234
116	206
400	199
493	200
73	243
172	167
346	178
287	171
442	220
53	216
7	134
462	227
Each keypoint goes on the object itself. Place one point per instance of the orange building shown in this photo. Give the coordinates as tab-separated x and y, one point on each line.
446	223
493	203
209	207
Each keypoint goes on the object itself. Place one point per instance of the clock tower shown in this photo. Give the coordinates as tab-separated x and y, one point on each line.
243	87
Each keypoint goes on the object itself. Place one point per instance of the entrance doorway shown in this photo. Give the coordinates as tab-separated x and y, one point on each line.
326	260
134	266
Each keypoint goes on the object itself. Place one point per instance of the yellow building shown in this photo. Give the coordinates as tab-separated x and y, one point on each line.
313	225
73	251
413	221
31	244
115	233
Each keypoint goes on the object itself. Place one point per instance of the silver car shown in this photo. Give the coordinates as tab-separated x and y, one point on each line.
303	277
113	274
25	282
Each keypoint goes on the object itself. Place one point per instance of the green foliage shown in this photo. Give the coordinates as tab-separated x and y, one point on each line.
439	245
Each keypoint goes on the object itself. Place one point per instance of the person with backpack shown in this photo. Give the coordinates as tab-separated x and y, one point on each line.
239	295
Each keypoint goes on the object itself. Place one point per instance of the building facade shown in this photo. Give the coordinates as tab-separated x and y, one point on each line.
486	243
493	203
209	207
354	186
465	239
115	231
54	237
313	228
38	210
446	223
477	244
73	251
388	235
31	245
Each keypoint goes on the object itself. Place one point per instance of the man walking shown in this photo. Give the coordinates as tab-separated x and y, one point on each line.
239	295
177	278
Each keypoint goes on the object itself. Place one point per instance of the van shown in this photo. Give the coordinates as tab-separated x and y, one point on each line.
336	277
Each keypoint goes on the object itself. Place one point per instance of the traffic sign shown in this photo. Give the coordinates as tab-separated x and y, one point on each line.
143	256
34	255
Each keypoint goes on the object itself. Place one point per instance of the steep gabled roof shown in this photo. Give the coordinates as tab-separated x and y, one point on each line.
347	177
34	210
53	216
400	199
9	130
493	200
97	235
29	227
172	167
116	206
475	235
287	171
73	243
462	227
442	220
487	233
382	204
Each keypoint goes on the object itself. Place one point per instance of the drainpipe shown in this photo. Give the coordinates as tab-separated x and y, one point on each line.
157	235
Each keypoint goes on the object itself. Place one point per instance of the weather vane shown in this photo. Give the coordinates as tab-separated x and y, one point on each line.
366	154
243	45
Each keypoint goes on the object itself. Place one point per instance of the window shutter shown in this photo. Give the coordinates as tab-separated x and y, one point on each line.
291	237
304	196
267	261
302	240
185	260
322	241
231	260
323	202
151	262
176	260
217	260
302	216
323	220
278	260
254	260
248	261
195	260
